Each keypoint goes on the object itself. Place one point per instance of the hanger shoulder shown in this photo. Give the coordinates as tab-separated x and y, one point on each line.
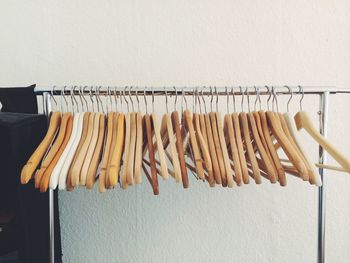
117	151
228	170
204	150
234	150
44	182
160	147
126	151
179	146
266	133
148	131
267	163
302	120
250	151
138	149
97	155
36	157
105	155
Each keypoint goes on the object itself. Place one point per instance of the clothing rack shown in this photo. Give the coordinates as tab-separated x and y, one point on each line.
323	92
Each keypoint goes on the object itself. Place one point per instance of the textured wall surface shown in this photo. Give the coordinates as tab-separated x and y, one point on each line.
192	43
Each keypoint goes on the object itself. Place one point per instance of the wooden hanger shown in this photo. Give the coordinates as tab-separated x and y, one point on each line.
54	149
112	147
124	179
117	152
212	150
105	156
204	150
302	121
81	142
266	131
90	150
242	159
76	169
44	182
160	147
131	157
97	155
196	154
285	143
33	162
314	175
219	153
226	159
58	167
250	151
179	146
228	127
68	160
174	154
147	122
138	149
267	163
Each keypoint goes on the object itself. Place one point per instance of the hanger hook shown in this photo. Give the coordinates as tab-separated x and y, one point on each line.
205	104
302	97
211	99
52	96
137	98
233	99
86	103
166	100
63	94
257	90
81	98
242	93
268	99
152	99
291	96
217	99
248	98
99	98
76	101
274	100
132	101
175	98
71	96
144	97
124	96
199	100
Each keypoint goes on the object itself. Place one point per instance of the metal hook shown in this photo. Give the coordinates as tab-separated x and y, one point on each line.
242	93
52	96
175	98
227	101
99	98
115	98
274	100
71	97
144	97
92	101
63	94
183	99
137	99
86	103
205	105
233	99
291	96
152	99
166	100
217	99
302	97
76	101
248	100
211	99
257	90
132	102
127	103
199	101
268	99
81	98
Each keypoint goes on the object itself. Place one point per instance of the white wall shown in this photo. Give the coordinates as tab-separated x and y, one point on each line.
191	43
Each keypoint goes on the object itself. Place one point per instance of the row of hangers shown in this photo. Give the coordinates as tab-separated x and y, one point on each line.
122	145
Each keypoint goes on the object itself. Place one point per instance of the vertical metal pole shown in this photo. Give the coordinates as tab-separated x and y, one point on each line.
47	110
321	190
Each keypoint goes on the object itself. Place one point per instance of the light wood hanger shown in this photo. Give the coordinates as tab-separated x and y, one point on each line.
97	155
91	149
45	180
250	151
218	149
112	146
76	169
179	146
266	131
228	170
174	154
228	127
68	160
131	157
58	167
193	140
204	150
117	153
126	153
138	149
54	149
302	121
242	159
36	157
160	147
267	164
212	150
105	156
86	117
147	122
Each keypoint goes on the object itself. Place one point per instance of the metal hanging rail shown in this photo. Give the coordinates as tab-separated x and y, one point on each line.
322	91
